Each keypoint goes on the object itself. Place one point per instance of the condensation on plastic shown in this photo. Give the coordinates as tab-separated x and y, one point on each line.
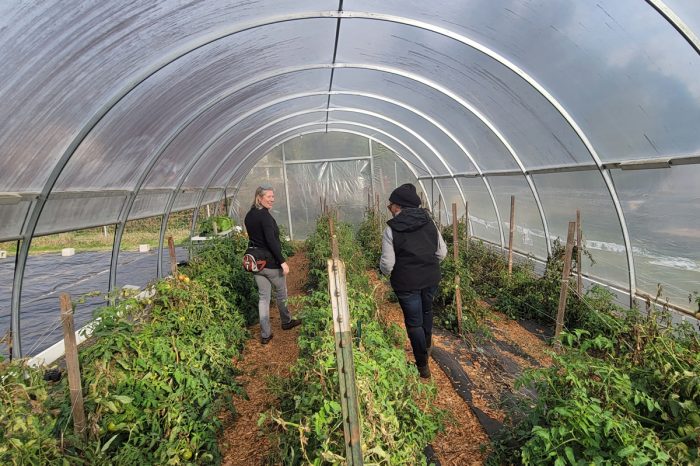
626	76
662	208
561	194
528	236
62	61
65	214
473	133
12	216
483	219
453	154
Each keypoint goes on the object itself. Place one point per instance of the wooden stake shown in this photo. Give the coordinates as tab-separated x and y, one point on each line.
422	198
72	365
440	211
564	282
510	235
579	251
173	258
458	302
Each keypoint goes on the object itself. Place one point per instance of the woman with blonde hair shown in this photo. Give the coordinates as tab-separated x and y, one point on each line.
264	233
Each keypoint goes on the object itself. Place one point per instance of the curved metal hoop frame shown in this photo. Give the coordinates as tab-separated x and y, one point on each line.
34	212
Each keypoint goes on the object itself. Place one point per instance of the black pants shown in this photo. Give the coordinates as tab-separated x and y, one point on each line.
417	307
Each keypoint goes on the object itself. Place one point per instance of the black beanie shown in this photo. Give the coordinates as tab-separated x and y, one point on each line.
405	196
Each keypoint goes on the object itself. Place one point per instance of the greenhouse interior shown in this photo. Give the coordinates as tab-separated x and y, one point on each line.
555	145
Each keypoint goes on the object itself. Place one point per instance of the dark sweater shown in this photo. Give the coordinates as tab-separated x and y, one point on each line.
415	239
263	232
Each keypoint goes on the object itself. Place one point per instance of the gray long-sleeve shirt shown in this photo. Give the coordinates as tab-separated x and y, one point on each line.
388	259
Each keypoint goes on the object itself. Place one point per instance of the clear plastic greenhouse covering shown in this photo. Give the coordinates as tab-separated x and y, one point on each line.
114	111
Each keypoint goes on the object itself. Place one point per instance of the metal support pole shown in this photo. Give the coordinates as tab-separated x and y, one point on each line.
163	230
511	232
286	193
371	168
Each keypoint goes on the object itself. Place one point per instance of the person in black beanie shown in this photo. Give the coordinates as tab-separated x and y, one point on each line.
412	248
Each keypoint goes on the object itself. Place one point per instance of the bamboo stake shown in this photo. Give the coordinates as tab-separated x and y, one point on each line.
564	281
510	235
72	365
579	251
173	258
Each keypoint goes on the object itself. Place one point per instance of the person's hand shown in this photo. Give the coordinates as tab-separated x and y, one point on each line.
285	268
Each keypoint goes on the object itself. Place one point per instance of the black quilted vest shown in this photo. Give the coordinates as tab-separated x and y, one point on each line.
415	238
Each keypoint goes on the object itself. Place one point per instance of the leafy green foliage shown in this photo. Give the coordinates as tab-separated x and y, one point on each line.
628	397
154	377
369	235
26	424
219	263
288	248
397	419
473	313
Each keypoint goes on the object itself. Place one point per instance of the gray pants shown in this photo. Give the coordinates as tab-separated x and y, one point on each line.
266	279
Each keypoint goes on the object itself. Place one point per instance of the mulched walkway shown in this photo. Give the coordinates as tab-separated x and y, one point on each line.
491	368
242	442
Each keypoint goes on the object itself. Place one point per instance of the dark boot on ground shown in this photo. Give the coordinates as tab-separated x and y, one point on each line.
265	341
291	324
424	371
